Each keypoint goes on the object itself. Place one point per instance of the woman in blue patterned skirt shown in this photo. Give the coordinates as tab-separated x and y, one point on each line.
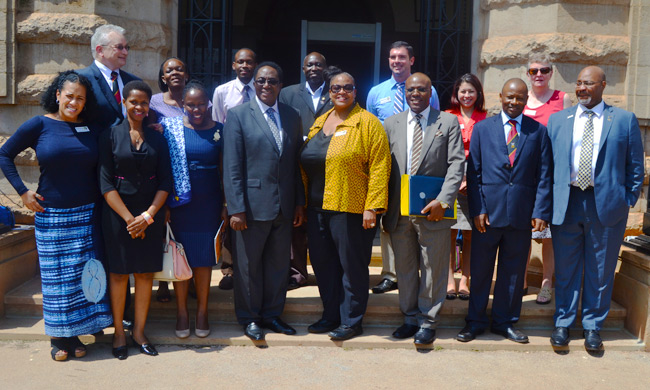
66	213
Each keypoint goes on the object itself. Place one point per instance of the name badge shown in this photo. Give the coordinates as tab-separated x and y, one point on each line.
344	132
384	100
530	112
462	126
82	129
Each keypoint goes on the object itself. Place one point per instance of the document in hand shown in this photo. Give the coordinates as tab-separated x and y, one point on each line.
419	191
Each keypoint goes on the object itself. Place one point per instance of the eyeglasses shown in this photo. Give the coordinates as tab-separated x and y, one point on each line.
420	89
586	83
119	47
533	71
335	88
272	82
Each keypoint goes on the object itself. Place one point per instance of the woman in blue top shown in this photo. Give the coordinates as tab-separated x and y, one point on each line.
195	147
66	211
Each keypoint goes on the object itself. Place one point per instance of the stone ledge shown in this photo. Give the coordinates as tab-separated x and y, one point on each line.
487	5
569	48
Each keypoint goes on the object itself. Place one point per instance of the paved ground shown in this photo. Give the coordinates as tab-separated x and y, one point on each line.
27	365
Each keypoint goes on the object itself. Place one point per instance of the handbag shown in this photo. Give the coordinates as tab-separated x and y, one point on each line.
175	266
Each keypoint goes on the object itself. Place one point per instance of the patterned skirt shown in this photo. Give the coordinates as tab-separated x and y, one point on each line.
67	239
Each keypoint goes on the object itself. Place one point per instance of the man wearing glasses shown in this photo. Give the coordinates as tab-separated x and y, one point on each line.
110	50
597	177
265	198
384	100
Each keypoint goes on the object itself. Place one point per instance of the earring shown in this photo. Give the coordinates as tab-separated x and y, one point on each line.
57	101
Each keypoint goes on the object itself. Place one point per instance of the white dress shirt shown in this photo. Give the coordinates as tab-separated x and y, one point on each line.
107	76
315	95
276	114
410	127
227	96
507	127
576	143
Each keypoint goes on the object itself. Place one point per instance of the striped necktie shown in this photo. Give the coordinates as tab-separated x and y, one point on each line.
273	124
398	106
116	88
583	178
513	137
416	148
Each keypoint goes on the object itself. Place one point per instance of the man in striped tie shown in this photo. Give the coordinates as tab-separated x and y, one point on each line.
509	194
384	100
423	142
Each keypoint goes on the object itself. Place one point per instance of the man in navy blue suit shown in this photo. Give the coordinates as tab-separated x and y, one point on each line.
509	191
110	50
598	156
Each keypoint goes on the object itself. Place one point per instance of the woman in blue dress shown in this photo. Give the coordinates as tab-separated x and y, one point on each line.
195	147
66	216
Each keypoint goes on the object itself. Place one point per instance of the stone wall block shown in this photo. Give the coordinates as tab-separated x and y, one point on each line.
32	87
572	48
488	5
60	28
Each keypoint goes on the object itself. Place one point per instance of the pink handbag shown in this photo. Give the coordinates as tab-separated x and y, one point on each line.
175	265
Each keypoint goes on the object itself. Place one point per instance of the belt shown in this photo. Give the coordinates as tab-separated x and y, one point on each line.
590	188
193	166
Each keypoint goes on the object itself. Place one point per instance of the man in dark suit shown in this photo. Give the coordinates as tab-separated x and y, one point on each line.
509	190
265	197
110	50
310	100
598	174
424	142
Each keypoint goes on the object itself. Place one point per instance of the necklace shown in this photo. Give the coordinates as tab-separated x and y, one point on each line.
136	138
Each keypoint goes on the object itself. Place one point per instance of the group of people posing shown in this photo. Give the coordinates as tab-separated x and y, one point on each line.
306	168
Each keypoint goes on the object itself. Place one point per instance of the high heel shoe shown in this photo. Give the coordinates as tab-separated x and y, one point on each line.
147	349
182	334
121	352
201	332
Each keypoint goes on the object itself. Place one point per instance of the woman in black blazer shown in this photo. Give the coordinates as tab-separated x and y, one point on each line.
135	179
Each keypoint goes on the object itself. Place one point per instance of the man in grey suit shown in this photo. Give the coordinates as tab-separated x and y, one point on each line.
265	197
423	142
597	177
310	100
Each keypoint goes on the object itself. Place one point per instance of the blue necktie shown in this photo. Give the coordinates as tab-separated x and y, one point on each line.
398	106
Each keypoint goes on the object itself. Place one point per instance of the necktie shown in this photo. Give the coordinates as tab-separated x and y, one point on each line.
398	106
274	128
586	153
116	88
513	137
245	97
416	148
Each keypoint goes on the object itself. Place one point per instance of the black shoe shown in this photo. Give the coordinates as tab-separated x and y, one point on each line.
468	333
345	332
322	326
511	334
226	282
254	332
593	342
405	331
147	349
424	336
127	324
292	285
384	286
121	352
278	326
560	337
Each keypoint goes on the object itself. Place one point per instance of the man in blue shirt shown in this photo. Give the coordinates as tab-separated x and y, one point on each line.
384	100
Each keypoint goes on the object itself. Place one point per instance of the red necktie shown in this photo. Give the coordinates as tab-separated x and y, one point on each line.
513	137
116	88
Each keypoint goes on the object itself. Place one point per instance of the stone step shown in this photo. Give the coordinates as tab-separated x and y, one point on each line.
303	307
161	332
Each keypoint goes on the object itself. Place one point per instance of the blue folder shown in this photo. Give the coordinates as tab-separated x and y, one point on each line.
419	191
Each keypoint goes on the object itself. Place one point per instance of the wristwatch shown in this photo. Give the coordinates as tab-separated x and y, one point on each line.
444	205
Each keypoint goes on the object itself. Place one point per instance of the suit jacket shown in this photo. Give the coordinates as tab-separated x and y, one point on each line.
510	196
109	113
299	98
619	166
443	155
258	179
119	170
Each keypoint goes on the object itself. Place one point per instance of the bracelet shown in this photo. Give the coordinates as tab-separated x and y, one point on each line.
147	217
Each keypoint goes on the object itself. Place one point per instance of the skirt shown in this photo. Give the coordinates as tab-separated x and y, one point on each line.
66	239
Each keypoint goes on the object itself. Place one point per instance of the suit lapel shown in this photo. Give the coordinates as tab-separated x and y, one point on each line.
433	126
106	91
323	100
608	119
306	96
499	135
523	136
402	142
262	124
567	133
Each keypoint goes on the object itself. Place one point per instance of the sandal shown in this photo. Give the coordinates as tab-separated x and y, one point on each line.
77	345
163	295
463	296
544	297
59	350
451	295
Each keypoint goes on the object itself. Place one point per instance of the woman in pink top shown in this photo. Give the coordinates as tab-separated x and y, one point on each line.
467	103
542	102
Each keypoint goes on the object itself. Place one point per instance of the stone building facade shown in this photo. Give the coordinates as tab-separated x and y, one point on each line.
40	38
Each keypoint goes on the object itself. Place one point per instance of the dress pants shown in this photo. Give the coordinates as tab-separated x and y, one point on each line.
387	257
340	250
512	245
422	264
299	254
261	269
583	245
